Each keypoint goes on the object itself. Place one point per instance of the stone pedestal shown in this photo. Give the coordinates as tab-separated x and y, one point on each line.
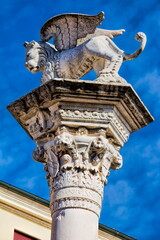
79	128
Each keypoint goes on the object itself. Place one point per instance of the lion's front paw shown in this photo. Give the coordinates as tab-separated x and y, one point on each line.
105	77
121	31
110	78
119	79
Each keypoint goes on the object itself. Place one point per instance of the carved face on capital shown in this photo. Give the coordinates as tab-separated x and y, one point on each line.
63	142
99	143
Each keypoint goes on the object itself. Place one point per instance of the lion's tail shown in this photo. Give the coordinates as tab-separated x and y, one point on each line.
141	37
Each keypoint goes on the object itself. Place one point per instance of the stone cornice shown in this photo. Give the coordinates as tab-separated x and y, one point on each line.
26	215
24	205
122	96
24	193
118	235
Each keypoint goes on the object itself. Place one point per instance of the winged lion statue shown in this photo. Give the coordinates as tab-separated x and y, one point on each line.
79	46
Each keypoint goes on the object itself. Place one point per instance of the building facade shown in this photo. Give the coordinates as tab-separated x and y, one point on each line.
24	216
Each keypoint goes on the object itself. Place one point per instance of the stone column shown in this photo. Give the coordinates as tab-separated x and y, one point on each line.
79	128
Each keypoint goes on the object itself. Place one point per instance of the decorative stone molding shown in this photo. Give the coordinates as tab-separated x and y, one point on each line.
96	116
81	203
24	207
26	215
115	107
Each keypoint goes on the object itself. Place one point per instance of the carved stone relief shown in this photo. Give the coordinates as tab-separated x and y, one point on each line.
94	116
38	122
44	99
76	161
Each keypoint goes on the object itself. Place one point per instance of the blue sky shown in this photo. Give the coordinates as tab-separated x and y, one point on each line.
131	198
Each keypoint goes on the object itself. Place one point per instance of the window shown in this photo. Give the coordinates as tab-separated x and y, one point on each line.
22	236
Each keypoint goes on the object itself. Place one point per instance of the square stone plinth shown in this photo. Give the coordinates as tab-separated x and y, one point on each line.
113	107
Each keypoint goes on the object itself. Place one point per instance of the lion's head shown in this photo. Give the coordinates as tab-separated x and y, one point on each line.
37	53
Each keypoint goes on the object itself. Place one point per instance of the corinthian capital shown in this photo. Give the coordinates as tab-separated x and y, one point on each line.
81	150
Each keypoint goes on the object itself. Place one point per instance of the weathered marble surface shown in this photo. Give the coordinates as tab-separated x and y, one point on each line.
79	48
79	128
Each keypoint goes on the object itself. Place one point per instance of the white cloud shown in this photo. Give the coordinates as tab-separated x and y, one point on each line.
118	193
27	182
5	160
151	81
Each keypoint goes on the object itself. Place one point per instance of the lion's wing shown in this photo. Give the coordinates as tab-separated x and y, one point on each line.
66	29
